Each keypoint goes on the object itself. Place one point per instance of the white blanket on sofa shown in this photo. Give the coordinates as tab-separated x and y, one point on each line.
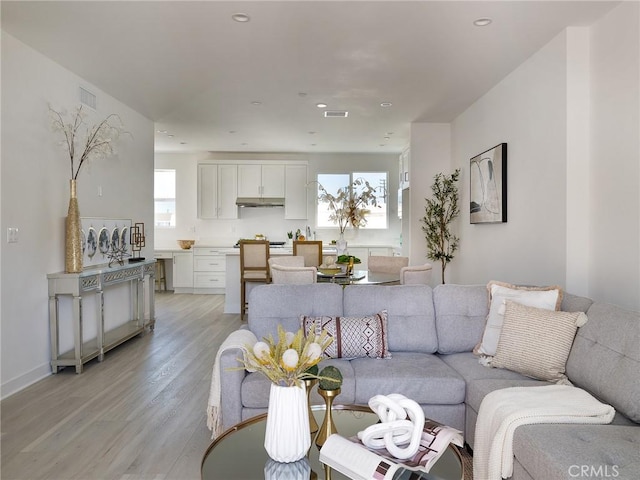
237	339
501	411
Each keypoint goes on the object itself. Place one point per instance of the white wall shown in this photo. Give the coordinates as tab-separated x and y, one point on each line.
35	195
527	111
430	155
570	117
270	221
614	273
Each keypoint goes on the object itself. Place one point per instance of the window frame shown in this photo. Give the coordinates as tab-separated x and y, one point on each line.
353	176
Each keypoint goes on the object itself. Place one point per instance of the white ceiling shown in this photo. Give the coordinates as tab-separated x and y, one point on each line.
195	72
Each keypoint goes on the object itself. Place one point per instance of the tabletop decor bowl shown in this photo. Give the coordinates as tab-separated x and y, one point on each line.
329	271
186	244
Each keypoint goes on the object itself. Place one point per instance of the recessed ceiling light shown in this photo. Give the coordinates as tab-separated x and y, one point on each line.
387	138
386	104
244	144
240	17
183	143
321	105
302	94
482	22
232	131
170	135
161	131
389	133
312	133
255	102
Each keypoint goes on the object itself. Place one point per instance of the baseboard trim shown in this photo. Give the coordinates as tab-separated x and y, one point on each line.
25	380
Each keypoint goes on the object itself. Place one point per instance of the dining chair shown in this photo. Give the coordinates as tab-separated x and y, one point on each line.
311	250
418	274
286	260
254	267
386	264
293	275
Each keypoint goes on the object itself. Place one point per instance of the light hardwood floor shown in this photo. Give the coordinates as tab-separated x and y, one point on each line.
138	415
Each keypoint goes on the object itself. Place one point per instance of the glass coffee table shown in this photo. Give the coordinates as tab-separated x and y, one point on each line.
239	454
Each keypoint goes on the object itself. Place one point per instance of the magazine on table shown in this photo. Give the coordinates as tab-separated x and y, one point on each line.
352	458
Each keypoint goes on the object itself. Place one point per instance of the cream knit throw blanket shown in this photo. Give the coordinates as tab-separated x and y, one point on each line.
237	339
501	411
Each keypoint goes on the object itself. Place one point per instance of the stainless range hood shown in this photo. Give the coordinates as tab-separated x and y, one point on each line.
260	202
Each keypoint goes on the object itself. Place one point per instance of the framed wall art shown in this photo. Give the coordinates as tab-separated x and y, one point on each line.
488	186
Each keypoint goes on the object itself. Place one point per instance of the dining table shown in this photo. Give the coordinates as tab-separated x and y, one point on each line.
360	277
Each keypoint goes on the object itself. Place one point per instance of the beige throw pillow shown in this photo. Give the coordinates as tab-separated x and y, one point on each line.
536	342
541	297
353	337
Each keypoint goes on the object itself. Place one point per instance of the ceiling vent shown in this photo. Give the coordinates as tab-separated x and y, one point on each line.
336	113
87	98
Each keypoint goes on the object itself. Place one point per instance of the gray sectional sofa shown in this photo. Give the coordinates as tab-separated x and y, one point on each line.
431	335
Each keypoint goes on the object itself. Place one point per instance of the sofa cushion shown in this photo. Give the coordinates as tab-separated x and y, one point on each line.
353	337
541	297
411	319
605	358
272	304
578	451
478	389
418	376
256	386
461	312
467	366
536	341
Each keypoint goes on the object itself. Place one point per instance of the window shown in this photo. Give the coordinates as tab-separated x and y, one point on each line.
164	193
332	182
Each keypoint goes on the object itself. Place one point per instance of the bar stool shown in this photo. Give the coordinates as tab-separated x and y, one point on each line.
161	276
254	267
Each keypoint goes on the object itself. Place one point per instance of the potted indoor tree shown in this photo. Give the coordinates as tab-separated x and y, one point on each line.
440	211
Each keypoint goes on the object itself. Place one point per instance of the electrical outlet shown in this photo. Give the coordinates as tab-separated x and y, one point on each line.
12	235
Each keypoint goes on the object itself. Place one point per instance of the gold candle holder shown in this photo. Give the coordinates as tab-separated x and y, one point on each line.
309	384
328	428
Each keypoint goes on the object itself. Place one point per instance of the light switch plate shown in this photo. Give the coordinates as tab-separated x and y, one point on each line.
12	235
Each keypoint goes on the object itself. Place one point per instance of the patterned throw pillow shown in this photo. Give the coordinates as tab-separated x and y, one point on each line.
353	337
536	342
499	292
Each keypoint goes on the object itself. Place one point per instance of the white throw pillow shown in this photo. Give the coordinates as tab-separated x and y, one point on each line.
549	298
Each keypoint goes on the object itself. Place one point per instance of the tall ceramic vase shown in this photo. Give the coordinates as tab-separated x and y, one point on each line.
73	235
287	437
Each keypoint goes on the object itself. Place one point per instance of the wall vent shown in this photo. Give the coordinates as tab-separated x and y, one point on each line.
87	98
336	113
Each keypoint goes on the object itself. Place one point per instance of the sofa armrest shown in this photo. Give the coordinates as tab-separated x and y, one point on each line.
231	376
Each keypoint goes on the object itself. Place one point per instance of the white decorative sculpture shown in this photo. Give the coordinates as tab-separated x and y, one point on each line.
399	435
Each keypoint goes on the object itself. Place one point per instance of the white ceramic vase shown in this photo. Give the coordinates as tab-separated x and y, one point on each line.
287	437
300	470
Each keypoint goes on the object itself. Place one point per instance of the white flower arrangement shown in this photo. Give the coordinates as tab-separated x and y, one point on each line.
98	141
287	361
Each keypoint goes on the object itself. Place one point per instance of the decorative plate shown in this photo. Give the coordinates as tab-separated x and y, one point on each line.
92	242
103	240
115	239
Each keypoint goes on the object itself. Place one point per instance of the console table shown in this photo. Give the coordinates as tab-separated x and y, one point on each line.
94	281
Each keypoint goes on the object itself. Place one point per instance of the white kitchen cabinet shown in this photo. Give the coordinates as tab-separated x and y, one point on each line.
295	192
403	168
182	271
209	267
261	180
217	191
